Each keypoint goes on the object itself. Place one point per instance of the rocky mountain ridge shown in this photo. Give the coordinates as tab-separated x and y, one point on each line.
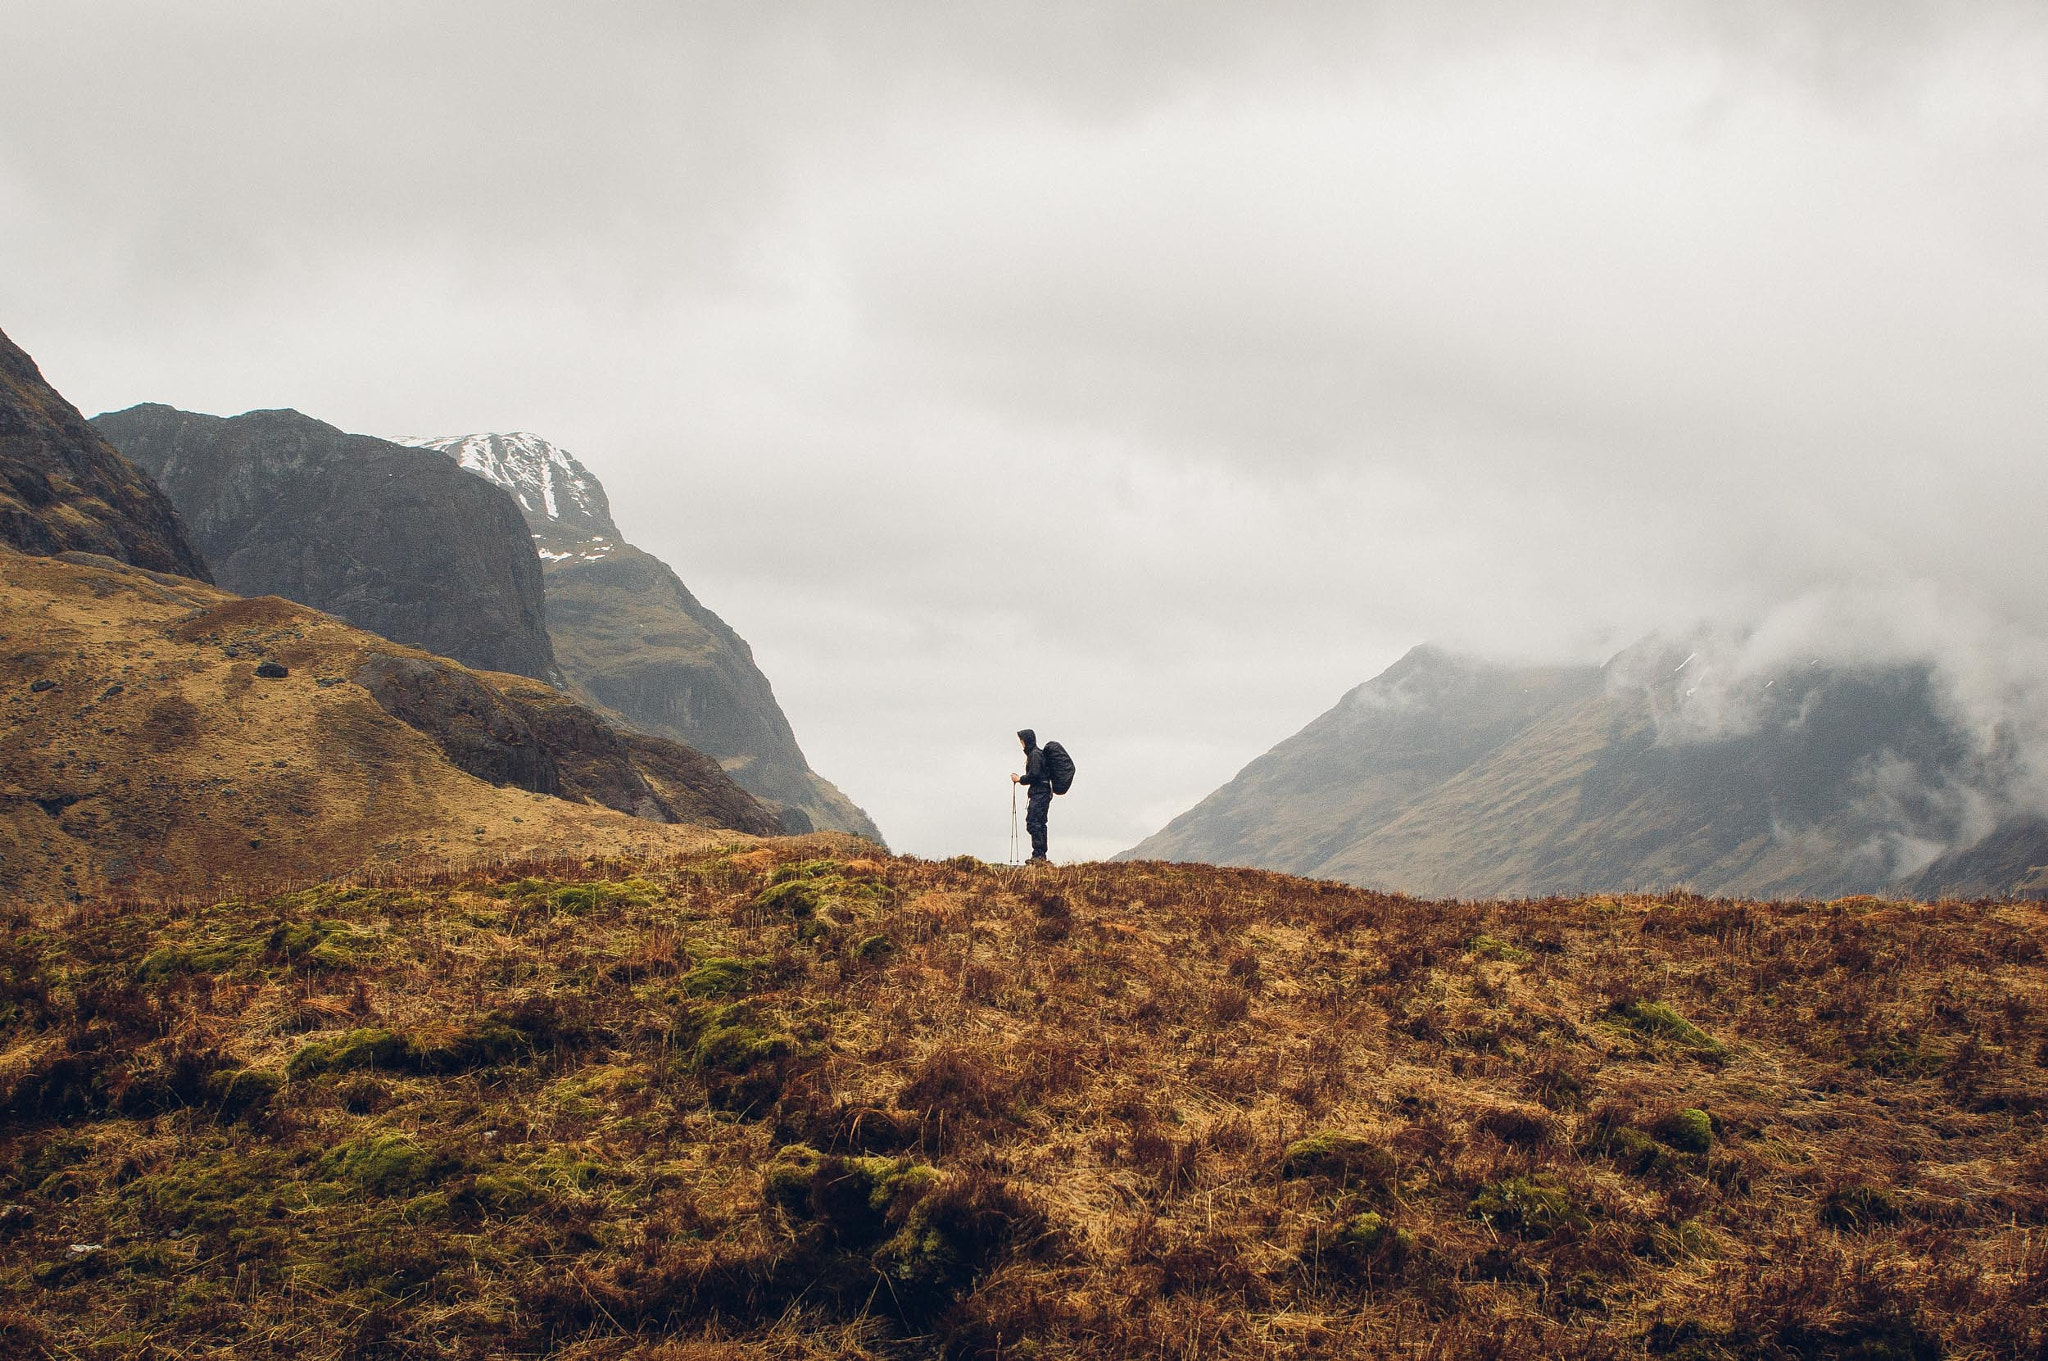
564	504
64	488
633	640
393	540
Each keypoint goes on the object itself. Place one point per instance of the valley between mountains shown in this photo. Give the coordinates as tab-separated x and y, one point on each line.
424	937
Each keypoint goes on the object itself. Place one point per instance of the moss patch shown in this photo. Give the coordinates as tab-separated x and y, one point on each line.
1533	1207
1342	1157
1659	1021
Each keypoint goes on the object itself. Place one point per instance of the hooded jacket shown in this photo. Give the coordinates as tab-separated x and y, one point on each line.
1034	760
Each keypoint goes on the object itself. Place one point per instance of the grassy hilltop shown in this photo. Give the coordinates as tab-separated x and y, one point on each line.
787	1101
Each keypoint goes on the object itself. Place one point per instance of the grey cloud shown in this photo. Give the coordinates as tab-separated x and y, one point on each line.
1147	373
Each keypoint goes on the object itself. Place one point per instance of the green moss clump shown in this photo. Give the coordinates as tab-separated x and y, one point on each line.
580	899
1367	1243
786	1181
740	1060
872	948
1856	1207
1343	1157
561	1169
314	944
798	898
1491	947
1661	1021
243	1093
851	1199
736	1045
951	1235
369	1047
506	1195
721	976
1635	1151
218	1193
1533	1207
169	961
803	890
482	1044
318	944
388	1164
508	1035
1690	1130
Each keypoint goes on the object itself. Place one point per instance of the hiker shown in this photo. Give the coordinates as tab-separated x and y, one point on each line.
1038	780
1048	770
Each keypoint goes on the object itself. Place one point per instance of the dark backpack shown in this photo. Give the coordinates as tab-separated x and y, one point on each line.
1059	767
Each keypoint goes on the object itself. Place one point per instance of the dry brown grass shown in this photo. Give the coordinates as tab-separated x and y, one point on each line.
685	1107
154	761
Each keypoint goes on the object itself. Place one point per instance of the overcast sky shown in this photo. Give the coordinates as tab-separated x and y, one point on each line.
1147	374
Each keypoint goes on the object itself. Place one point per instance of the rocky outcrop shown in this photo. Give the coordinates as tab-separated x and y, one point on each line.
536	739
64	488
390	539
634	642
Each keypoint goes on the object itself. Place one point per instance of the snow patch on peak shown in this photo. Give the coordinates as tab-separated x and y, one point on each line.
548	482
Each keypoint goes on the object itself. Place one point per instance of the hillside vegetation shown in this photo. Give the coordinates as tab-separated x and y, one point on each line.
163	736
783	1100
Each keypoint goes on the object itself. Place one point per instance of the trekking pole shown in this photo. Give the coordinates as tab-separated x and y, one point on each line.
1013	824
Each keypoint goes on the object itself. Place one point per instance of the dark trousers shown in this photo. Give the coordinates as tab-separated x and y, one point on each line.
1035	814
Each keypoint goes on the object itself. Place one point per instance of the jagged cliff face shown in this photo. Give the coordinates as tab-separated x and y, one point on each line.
390	539
632	638
1455	777
63	488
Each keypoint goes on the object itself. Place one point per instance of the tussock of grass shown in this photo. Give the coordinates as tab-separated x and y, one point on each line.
1661	1021
767	1101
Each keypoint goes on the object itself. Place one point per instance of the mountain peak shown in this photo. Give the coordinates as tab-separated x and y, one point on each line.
564	503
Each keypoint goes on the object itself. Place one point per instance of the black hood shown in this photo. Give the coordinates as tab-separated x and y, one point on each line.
1027	737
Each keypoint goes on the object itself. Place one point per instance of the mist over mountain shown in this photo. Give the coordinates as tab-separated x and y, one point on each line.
390	539
1677	763
632	639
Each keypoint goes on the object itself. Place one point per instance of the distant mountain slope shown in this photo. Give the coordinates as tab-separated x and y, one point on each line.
145	749
1352	770
63	487
1453	777
633	639
386	537
2012	861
